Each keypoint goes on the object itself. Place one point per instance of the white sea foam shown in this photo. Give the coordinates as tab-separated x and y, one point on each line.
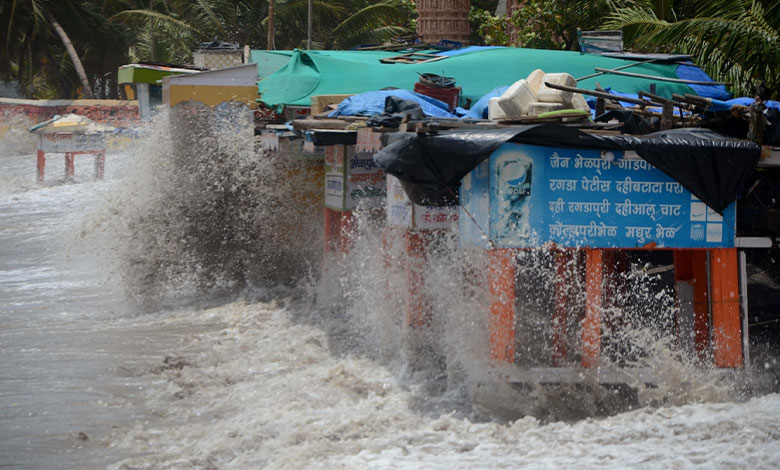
316	367
265	392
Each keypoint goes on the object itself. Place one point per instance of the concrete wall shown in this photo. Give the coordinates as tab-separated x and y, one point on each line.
114	112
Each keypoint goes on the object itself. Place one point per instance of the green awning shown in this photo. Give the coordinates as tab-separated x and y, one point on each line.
309	73
269	62
143	73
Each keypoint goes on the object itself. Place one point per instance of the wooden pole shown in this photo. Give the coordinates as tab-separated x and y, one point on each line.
41	165
591	324
418	304
100	164
726	321
69	165
602	94
501	280
270	24
309	33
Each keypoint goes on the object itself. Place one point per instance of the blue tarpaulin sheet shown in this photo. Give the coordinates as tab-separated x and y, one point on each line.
373	102
480	109
718	105
691	72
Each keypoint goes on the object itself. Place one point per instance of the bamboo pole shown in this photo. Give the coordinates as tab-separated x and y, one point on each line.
660	79
616	68
602	94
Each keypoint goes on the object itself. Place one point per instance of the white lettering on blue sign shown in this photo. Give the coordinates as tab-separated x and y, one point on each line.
589	198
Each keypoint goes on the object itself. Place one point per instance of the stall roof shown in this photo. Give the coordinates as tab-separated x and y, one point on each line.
149	73
309	73
69	124
269	62
711	166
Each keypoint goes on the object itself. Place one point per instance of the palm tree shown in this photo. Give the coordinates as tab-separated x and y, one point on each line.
370	23
736	41
168	30
26	24
338	23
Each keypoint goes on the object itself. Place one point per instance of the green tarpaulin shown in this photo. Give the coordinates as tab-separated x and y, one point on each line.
268	62
310	73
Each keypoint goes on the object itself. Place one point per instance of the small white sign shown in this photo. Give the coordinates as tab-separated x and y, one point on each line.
714	233
698	211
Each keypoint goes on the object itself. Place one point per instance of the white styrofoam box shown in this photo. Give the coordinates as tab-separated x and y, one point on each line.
578	102
550	95
539	108
517	99
535	79
495	111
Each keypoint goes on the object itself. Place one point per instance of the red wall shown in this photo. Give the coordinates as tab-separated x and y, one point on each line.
114	112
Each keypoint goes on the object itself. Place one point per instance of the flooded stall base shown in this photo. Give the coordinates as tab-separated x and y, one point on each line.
182	313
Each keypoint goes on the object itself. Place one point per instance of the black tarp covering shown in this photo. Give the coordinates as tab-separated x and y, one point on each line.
395	111
430	167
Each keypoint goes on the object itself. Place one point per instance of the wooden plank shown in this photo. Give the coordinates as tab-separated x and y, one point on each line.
319	124
412	58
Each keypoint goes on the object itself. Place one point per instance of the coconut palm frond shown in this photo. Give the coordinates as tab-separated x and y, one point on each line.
204	15
371	36
734	40
149	14
298	11
371	17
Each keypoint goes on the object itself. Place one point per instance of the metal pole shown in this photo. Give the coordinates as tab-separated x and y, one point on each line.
308	37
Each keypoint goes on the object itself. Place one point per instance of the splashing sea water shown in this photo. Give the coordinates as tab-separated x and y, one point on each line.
124	345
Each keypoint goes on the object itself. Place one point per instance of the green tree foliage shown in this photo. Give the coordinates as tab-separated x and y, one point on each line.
737	41
108	33
340	24
47	44
546	24
481	12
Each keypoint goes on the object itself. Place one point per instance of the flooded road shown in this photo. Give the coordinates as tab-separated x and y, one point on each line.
270	378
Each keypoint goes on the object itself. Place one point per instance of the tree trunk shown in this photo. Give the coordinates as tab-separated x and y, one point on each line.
71	52
270	24
309	26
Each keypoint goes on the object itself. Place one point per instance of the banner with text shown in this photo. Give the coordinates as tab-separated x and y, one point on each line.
524	196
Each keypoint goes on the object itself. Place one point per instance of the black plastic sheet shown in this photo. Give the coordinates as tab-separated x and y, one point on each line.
430	167
395	110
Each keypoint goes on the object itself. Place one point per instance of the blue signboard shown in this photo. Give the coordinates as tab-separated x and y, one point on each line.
525	196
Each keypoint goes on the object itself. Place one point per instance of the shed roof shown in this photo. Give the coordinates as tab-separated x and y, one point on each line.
477	72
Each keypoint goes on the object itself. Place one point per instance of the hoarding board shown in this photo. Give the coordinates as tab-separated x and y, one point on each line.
525	196
70	142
